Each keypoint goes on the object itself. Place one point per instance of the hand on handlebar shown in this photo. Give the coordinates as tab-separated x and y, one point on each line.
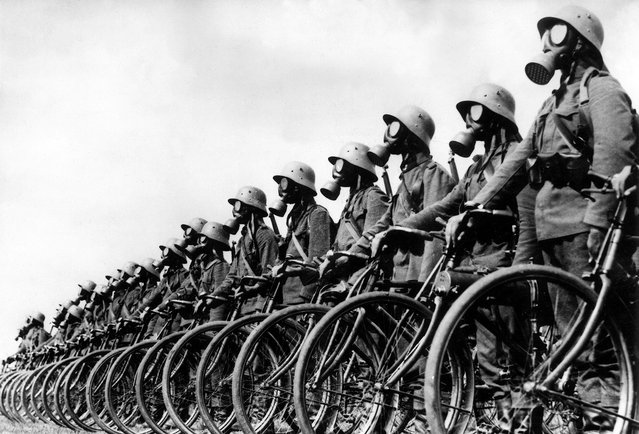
623	180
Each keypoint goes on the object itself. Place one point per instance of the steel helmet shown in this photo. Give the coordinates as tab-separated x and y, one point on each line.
115	274
251	196
216	232
357	155
87	285
416	120
66	304
495	98
128	268
101	290
176	246
300	173
196	224
149	265
581	19
76	311
38	316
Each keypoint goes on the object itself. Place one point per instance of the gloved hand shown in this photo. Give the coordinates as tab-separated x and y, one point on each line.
623	180
453	228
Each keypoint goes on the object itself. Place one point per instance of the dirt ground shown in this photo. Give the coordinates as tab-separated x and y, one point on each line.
32	428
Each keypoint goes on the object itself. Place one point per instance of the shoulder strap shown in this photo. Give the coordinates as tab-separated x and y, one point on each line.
245	261
584	99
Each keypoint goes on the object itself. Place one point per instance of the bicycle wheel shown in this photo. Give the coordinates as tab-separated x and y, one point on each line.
36	396
74	390
120	390
95	392
262	378
148	385
358	361
15	401
25	395
215	373
49	392
179	373
7	380
529	339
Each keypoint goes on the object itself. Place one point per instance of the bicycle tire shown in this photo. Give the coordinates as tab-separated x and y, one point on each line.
179	375
556	409
215	373
271	349
355	358
120	390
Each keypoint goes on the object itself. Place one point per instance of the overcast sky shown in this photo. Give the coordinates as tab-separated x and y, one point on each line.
120	120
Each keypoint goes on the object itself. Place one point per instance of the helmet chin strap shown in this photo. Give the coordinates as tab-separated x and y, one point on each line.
569	74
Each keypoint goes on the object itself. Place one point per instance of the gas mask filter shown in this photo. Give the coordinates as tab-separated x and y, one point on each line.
556	44
463	144
331	189
394	136
278	208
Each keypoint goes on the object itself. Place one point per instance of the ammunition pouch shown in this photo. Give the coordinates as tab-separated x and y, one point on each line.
561	170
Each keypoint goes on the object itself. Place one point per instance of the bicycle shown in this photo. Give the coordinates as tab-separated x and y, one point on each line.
546	376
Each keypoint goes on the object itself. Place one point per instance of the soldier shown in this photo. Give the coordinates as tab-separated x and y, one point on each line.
308	234
192	231
257	251
175	277
119	307
365	205
214	241
489	114
566	140
423	182
85	294
37	335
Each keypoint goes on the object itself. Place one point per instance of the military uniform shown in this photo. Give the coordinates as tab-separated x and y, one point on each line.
563	217
174	278
214	271
310	224
257	252
423	182
35	337
491	250
363	209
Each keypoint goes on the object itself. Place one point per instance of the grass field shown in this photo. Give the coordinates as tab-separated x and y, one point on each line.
32	428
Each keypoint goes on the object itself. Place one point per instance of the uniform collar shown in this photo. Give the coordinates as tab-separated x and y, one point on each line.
411	162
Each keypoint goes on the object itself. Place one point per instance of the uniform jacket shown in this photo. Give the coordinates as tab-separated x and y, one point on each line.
214	271
174	278
311	225
35	337
562	211
487	251
363	209
257	253
422	183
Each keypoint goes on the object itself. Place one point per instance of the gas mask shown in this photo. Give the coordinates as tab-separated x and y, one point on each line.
278	208
190	236
558	45
241	215
344	175
463	144
395	137
288	191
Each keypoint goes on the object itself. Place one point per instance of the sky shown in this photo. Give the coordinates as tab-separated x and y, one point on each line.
121	120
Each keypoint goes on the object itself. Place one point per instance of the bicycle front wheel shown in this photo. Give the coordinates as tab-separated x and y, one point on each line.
524	320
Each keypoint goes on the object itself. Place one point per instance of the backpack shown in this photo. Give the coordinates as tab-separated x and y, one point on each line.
585	120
